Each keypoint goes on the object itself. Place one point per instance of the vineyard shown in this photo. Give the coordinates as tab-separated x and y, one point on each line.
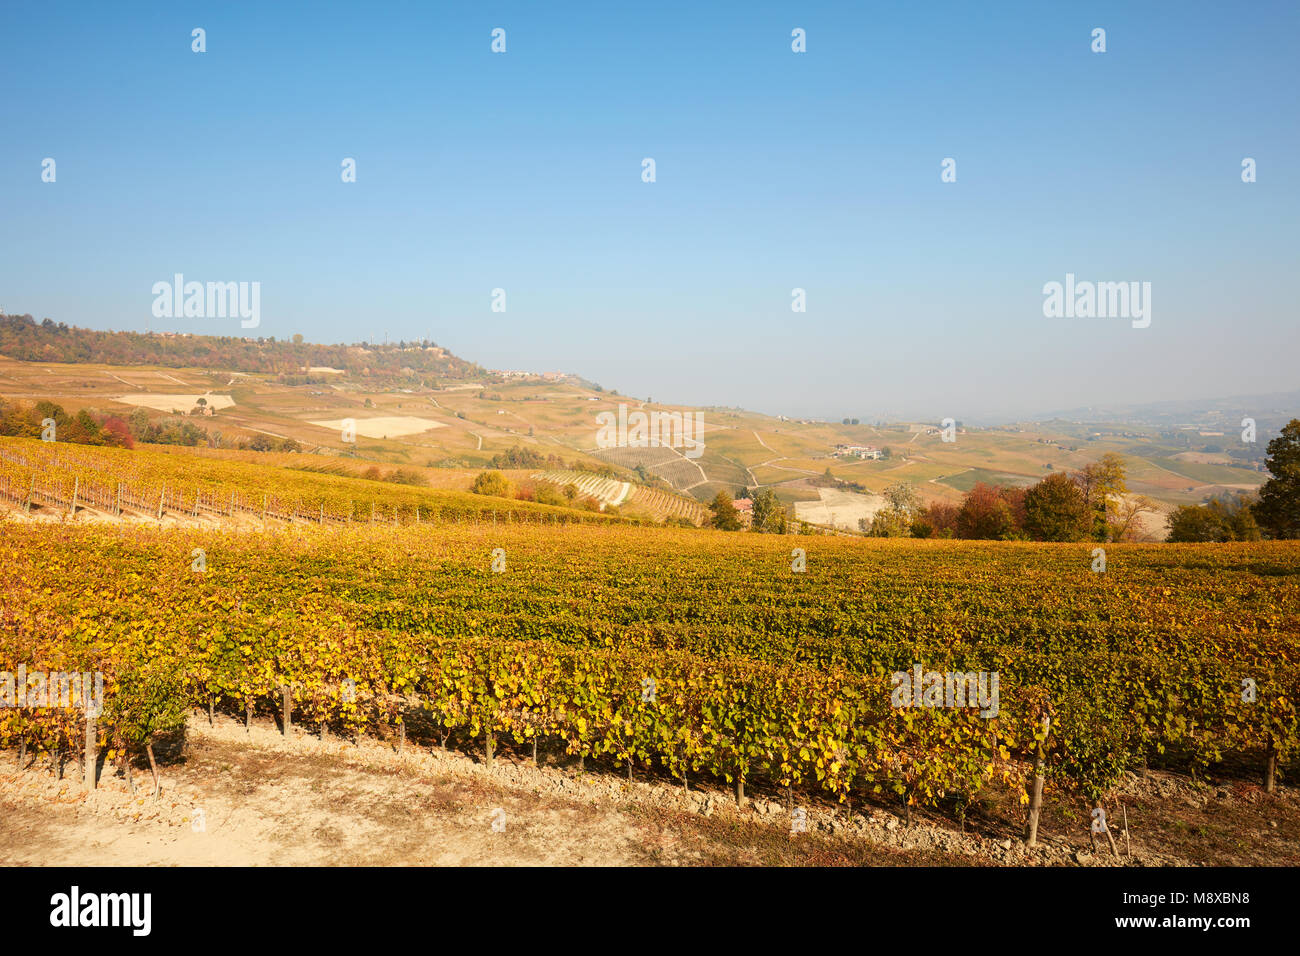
67	479
656	503
661	504
603	489
674	652
668	463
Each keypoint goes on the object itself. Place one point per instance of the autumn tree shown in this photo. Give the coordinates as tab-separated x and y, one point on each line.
895	519
1103	486
768	514
725	516
936	520
1055	510
1220	519
1127	525
117	433
987	513
491	483
1278	509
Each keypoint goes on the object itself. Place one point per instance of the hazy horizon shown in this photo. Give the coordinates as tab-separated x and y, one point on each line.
775	170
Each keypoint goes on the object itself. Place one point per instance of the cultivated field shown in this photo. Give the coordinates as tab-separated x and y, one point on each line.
397	426
464	424
163	402
681	657
839	509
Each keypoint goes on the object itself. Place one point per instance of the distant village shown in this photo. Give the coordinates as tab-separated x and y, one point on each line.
858	451
512	374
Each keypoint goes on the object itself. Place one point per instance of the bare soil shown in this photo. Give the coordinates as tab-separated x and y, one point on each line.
248	798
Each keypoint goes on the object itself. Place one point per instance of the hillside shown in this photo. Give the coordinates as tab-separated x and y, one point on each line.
50	481
23	338
418	407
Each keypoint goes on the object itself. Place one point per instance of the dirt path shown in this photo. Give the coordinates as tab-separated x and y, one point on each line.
243	799
256	798
953	475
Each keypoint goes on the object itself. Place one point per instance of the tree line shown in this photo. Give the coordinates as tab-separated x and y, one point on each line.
22	337
1094	504
1091	504
1273	513
20	419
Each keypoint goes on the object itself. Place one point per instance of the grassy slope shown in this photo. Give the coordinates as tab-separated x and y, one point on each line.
560	419
287	476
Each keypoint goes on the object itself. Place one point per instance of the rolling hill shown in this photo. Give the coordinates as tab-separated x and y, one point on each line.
416	406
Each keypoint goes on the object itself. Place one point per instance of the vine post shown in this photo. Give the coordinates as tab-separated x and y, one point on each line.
1036	787
92	750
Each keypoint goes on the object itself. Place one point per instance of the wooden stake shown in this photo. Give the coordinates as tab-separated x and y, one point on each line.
92	750
1114	851
153	765
1036	789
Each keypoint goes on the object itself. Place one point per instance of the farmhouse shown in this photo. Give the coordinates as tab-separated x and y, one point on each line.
857	451
745	509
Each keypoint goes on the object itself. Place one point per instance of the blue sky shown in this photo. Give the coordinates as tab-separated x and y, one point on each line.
775	170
